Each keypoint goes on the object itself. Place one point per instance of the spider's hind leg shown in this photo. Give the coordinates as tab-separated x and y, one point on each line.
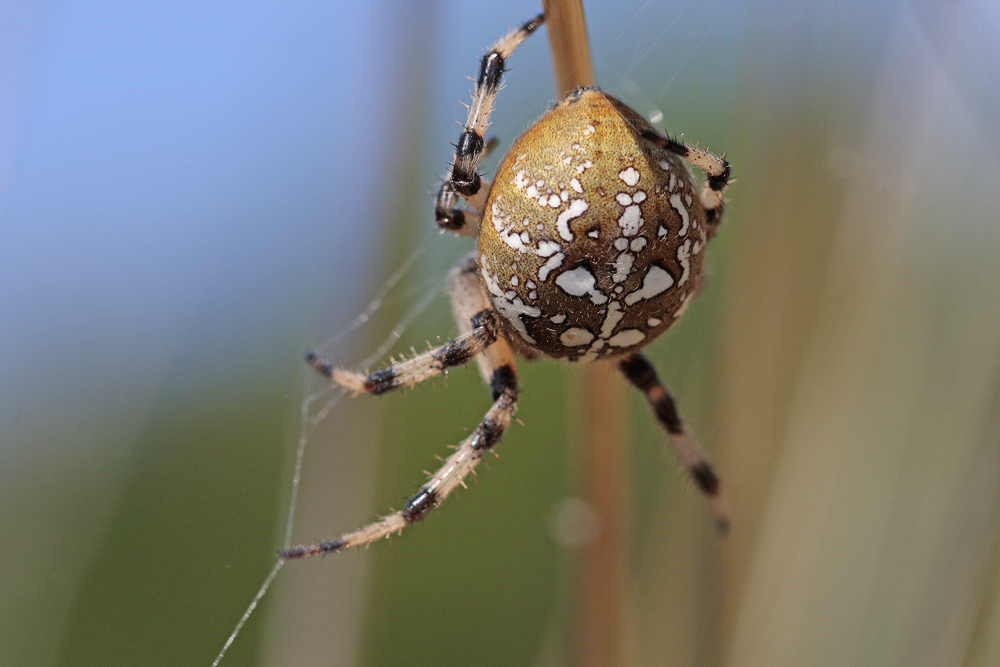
480	333
717	169
478	330
639	370
497	360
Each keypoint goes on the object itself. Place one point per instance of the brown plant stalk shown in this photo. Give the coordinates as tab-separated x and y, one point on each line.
601	407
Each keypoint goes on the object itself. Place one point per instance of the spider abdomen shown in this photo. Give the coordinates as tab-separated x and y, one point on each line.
592	237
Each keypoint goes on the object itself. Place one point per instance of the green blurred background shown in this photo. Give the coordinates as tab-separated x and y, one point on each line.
193	194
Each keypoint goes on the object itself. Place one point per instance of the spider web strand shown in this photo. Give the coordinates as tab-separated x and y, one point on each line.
253	605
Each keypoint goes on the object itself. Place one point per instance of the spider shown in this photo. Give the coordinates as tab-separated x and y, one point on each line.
590	245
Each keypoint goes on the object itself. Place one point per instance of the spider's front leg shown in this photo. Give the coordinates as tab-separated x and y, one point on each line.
498	360
463	179
640	371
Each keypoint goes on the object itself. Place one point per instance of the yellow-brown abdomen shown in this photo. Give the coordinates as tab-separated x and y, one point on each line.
592	238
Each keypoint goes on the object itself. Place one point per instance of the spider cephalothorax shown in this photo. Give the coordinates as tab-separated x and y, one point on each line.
591	243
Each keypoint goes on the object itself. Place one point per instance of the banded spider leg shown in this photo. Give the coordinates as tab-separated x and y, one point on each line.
478	339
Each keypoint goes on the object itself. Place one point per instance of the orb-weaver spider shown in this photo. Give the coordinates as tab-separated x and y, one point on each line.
591	242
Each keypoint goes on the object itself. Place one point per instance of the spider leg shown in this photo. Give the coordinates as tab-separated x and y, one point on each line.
480	334
499	359
477	325
467	299
638	370
718	170
463	179
461	221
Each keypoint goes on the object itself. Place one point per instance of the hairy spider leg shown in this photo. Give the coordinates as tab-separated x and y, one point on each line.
717	169
462	178
460	221
465	290
480	334
498	359
639	370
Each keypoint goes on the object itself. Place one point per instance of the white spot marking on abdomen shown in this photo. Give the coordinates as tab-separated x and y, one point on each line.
553	262
683	255
630	220
623	266
627	337
630	176
575	210
678	204
612	319
657	280
512	310
580	282
575	336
